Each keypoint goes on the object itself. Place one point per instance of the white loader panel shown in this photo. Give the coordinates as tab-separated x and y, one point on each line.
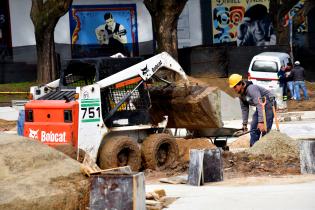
145	69
91	125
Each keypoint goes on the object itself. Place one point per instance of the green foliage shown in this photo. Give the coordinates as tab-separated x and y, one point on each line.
16	87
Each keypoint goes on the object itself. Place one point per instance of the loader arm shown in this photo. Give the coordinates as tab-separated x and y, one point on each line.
145	69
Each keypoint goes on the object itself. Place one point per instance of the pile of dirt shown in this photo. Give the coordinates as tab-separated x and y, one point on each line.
240	142
35	176
277	145
185	145
6	125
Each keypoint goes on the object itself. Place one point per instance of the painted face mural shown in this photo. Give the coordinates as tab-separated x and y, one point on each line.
256	28
244	22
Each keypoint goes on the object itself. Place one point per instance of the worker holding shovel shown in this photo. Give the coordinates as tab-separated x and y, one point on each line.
254	95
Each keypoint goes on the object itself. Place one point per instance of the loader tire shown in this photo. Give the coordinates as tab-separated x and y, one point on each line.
159	151
120	151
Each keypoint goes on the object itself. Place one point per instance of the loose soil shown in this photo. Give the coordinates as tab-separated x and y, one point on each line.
35	176
6	125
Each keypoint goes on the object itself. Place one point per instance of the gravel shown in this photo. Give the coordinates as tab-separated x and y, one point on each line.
277	145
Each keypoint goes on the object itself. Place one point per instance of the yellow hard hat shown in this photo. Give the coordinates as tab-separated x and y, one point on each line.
234	79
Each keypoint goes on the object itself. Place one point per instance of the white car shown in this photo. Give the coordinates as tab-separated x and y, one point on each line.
264	67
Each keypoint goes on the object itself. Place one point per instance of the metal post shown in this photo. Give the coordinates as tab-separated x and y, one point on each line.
291	36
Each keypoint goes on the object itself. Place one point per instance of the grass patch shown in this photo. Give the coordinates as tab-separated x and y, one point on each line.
17	87
14	87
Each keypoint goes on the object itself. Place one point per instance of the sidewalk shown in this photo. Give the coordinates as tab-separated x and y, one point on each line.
9	113
259	196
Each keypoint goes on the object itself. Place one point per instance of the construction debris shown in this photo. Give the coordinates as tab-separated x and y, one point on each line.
174	180
118	191
158	200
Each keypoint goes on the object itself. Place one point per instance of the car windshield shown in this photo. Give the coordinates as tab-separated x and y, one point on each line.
265	66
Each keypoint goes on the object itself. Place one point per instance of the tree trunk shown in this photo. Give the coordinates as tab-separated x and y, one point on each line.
46	59
166	35
45	15
165	14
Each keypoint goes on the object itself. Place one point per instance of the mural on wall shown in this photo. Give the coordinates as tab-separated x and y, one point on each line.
5	31
103	30
293	13
245	22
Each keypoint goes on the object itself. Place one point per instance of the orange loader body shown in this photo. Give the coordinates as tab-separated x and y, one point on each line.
53	122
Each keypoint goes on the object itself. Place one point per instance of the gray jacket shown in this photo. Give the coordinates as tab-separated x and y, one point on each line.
250	97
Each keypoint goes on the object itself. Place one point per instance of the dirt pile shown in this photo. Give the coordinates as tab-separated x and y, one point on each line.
193	106
240	142
277	145
184	145
7	125
35	176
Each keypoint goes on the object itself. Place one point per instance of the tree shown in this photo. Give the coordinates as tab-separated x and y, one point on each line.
45	15
165	14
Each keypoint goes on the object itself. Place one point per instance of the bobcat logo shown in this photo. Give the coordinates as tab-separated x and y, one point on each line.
145	70
33	134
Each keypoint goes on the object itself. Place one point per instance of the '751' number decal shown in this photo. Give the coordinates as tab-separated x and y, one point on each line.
91	114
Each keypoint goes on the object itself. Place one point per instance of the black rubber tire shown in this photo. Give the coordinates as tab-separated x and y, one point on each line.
116	148
157	145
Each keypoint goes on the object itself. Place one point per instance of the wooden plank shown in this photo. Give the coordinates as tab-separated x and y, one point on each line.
118	170
174	180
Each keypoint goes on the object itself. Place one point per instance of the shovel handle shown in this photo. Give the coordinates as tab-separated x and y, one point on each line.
262	101
273	99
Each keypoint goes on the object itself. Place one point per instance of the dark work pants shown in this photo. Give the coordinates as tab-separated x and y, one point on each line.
284	88
255	135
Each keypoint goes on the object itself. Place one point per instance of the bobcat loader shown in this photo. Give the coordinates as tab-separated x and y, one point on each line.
107	119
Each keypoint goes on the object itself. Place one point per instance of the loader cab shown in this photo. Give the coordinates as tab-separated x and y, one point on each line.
135	109
52	122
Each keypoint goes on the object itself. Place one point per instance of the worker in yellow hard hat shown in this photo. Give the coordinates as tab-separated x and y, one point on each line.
252	95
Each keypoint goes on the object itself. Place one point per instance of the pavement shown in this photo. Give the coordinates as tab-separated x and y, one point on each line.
288	196
9	113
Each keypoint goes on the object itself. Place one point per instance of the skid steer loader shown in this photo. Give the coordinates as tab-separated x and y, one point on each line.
107	119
